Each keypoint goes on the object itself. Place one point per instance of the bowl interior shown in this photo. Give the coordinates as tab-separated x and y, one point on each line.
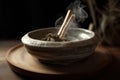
73	34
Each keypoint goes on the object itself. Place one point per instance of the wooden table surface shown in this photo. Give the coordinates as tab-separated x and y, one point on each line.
110	72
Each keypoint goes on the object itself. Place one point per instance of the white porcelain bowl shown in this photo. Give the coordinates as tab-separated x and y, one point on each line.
81	44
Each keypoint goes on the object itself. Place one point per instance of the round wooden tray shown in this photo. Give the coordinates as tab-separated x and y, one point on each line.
21	62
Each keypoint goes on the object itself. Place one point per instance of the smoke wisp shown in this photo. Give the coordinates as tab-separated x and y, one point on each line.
80	14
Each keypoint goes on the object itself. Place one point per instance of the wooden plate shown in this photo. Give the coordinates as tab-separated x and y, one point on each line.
21	62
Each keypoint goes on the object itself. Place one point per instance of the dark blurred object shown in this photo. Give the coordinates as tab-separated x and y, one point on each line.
109	22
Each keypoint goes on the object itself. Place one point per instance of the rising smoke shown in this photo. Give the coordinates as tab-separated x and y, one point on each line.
80	14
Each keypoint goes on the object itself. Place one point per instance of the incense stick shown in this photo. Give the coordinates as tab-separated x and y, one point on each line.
60	36
64	27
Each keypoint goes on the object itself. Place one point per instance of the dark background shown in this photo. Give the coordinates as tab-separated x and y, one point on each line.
20	16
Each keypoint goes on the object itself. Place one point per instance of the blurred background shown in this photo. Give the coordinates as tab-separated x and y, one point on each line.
20	16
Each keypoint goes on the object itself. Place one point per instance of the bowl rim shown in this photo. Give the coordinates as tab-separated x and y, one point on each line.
27	40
